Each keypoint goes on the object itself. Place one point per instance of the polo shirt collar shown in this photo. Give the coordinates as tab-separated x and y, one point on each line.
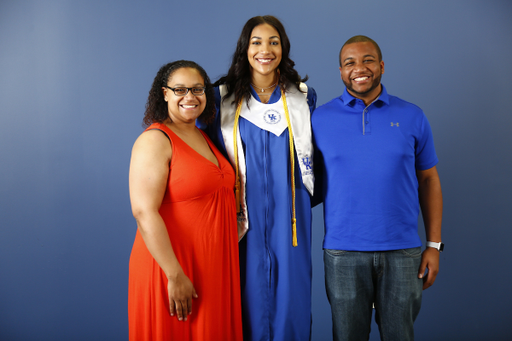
347	98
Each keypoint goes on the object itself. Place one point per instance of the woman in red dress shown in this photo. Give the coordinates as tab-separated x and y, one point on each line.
184	279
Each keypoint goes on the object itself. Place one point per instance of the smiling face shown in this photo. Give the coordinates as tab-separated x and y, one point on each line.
361	70
264	52
184	109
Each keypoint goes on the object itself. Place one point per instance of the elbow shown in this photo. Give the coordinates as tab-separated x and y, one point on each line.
137	215
143	216
137	212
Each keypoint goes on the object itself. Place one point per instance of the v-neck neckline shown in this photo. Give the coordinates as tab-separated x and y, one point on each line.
195	151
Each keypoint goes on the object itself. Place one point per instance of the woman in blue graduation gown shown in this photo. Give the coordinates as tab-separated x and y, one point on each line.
263	127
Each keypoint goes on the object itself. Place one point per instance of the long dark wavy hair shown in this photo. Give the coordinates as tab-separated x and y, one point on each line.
156	106
238	78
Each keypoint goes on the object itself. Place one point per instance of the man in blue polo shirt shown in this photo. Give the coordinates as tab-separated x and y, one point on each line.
375	167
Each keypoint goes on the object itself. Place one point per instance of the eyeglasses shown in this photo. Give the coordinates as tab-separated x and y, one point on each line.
182	91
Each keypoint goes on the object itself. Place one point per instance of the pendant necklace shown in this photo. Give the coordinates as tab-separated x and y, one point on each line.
263	89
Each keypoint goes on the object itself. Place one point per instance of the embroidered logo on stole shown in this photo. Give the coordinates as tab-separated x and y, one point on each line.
272	116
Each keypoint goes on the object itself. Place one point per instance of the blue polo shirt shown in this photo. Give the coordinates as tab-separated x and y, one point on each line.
365	165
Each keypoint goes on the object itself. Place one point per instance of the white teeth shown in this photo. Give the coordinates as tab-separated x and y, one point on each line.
188	106
265	60
358	79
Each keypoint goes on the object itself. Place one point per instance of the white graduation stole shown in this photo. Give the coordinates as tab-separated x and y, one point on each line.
269	117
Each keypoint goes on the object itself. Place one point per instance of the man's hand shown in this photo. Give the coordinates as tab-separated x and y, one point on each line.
430	261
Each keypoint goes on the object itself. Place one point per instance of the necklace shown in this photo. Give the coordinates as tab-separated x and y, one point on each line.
263	89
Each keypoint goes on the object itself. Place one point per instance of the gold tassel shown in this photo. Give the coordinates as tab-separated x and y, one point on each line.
294	232
292	166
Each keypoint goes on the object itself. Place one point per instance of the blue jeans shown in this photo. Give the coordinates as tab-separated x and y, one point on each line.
389	279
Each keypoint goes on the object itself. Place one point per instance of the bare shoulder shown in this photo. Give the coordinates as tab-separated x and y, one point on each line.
152	143
149	170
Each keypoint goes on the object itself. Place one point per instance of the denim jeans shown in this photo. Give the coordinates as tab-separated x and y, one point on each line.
389	279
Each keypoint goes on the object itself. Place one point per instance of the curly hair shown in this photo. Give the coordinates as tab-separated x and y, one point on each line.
156	106
238	78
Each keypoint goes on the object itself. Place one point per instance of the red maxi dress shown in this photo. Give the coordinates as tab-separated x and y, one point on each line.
200	214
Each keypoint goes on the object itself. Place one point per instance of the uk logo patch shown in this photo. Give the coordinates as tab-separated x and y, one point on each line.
307	164
306	161
272	117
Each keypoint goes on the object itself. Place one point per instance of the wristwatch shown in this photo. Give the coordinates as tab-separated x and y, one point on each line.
438	246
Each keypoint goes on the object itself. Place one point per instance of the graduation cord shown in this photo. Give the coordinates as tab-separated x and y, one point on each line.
292	161
237	176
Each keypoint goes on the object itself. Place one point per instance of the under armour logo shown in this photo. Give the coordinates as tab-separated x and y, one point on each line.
307	162
395	124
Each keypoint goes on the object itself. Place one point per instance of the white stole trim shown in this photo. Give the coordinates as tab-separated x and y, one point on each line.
300	119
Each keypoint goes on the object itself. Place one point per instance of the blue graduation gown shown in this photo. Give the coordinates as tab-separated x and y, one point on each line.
275	276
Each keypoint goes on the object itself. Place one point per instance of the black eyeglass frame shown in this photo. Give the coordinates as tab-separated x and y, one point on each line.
188	89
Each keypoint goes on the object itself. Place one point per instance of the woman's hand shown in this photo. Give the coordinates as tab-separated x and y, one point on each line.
181	291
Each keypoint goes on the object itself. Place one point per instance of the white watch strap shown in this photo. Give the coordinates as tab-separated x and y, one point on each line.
434	245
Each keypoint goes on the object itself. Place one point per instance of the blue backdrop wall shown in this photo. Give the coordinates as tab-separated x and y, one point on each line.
74	78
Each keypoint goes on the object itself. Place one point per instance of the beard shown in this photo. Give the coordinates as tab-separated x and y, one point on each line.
375	84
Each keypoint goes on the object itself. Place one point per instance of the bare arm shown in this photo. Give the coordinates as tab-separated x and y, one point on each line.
149	170
431	202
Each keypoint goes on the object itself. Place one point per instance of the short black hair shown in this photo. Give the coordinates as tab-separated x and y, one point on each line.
362	39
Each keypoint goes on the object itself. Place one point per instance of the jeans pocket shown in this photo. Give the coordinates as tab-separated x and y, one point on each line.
414	252
335	253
